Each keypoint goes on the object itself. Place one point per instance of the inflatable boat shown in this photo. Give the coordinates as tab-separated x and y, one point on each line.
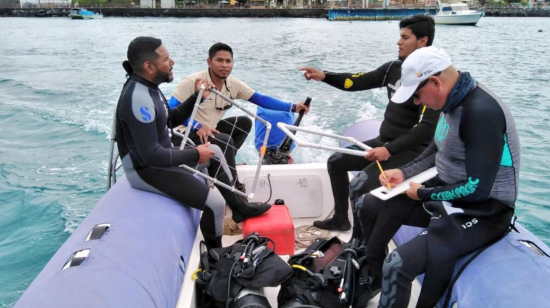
139	249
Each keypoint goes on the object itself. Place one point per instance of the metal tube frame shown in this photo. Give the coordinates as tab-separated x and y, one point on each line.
111	168
262	150
285	128
192	118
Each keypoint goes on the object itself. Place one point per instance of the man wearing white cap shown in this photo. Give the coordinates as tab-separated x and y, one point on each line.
471	201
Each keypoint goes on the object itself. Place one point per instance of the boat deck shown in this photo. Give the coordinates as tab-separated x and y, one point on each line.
271	293
306	191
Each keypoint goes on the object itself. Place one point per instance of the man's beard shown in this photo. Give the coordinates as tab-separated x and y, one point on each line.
219	77
163	77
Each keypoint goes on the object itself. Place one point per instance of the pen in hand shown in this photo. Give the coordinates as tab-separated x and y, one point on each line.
383	173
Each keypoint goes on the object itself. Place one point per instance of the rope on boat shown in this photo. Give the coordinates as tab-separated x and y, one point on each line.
230	227
305	235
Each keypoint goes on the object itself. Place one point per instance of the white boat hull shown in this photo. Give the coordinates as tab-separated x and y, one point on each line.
84	14
458	19
94	16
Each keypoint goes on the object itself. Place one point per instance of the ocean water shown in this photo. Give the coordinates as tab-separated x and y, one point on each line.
60	80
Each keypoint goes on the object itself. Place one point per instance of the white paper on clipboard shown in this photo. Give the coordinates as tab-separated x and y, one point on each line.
385	193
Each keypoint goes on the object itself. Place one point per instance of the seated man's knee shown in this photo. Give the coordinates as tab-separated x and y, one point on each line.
357	185
217	151
225	139
245	123
335	161
367	205
393	264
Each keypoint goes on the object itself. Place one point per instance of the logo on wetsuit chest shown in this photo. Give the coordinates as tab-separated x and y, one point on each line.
394	87
348	83
145	112
441	131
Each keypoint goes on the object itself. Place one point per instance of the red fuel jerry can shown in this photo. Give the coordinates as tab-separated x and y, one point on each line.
275	224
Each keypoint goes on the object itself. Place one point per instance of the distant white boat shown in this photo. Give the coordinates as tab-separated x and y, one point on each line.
84	14
456	14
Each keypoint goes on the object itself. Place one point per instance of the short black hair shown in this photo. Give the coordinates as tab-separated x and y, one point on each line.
141	49
218	47
420	26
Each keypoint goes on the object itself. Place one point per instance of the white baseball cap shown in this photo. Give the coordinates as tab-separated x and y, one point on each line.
419	66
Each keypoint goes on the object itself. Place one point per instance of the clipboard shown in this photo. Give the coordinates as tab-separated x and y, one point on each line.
385	193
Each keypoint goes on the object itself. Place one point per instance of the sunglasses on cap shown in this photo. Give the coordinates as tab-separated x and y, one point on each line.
422	84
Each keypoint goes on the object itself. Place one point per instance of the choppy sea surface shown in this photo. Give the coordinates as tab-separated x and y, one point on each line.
60	80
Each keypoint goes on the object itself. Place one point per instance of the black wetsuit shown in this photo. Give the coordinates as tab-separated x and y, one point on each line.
151	163
476	152
405	132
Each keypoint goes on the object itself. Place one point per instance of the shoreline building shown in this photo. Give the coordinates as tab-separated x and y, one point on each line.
164	4
45	3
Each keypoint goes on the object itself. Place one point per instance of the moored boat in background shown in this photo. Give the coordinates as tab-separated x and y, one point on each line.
456	14
84	14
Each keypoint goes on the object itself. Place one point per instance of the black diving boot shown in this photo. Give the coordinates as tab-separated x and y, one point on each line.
241	209
247	210
335	224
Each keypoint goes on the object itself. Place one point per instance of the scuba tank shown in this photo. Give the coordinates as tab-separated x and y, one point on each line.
281	156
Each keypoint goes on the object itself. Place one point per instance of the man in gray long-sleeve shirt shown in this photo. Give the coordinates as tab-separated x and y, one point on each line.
467	206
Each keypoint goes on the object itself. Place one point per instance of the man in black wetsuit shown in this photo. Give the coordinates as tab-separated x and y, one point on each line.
405	132
143	134
468	205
